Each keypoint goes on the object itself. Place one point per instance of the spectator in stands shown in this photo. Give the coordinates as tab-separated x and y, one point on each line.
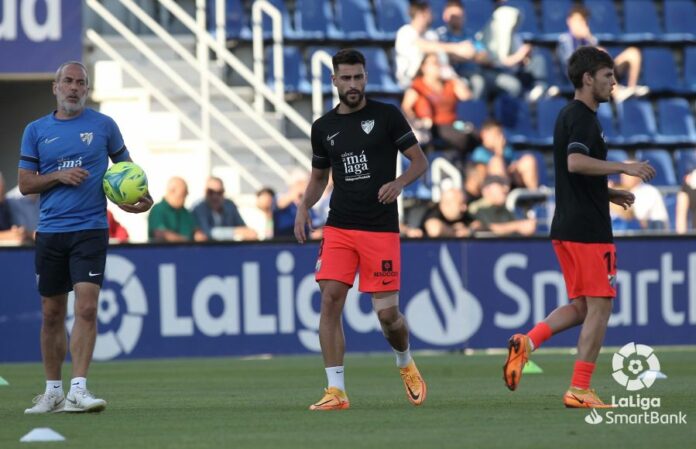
648	207
484	79
579	35
265	200
218	217
24	210
117	233
10	233
285	207
686	205
473	182
430	104
491	212
449	217
415	39
169	220
496	157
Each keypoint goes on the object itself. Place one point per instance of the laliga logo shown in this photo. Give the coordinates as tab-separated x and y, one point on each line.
461	312
635	366
122	341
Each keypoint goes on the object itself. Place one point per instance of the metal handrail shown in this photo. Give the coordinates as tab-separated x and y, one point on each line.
168	104
184	86
242	105
439	167
320	58
257	10
279	103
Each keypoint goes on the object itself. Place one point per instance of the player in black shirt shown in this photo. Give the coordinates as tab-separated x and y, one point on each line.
358	142
581	228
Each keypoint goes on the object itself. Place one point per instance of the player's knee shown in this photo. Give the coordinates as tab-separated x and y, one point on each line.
53	317
392	324
86	310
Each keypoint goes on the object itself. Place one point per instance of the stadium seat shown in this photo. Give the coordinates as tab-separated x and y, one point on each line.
614	155
478	13
295	70
685	160
326	72
391	15
604	20
660	70
690	68
529	27
641	21
670	200
267	24
237	23
547	112
544	179
515	117
355	20
553	18
664	166
676	123
553	70
605	115
437	6
680	20
380	76
637	121
474	111
314	19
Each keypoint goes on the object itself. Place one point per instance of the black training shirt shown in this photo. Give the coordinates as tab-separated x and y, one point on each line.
361	150
582	202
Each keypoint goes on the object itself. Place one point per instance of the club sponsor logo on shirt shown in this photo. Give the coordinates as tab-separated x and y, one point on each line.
367	125
355	166
86	138
65	163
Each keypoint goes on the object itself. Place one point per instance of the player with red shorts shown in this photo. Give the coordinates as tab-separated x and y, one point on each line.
357	143
581	228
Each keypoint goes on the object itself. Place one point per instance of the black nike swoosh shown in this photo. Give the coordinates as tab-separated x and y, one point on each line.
578	399
413	395
72	401
325	402
387	282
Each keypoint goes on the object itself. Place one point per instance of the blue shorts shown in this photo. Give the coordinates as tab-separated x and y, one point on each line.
65	258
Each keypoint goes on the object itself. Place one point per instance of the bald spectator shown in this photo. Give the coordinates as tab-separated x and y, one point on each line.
218	217
449	217
169	220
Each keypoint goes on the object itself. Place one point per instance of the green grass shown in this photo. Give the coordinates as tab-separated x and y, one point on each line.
235	403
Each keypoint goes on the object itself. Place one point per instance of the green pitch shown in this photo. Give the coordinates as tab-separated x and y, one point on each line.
235	403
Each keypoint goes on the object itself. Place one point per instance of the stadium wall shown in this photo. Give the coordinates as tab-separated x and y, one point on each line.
243	299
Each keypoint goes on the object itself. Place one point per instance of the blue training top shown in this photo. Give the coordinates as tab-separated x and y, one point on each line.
86	141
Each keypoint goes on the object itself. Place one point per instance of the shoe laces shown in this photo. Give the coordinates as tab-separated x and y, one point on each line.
43	397
83	393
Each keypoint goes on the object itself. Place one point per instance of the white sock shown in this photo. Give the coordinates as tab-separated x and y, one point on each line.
531	345
78	383
54	387
403	358
334	376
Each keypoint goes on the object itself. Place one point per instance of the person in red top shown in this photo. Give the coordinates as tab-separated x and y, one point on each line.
357	143
581	229
431	104
116	230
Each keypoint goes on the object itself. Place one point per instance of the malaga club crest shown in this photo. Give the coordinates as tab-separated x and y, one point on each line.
367	125
86	138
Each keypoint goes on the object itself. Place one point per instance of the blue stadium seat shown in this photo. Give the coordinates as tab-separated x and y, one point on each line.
380	76
356	21
314	19
474	111
237	23
553	69
547	112
478	13
604	20
437	6
637	121
391	15
529	27
267	24
685	160
326	83
543	172
295	76
605	115
641	21
660	70
664	166
670	200
553	18
676	122
515	117
680	20
690	68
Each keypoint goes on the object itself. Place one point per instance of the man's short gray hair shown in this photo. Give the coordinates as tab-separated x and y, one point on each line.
59	72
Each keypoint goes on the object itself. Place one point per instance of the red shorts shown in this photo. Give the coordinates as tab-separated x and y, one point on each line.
589	269
376	255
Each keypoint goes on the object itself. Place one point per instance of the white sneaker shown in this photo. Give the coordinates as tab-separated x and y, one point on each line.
83	401
46	403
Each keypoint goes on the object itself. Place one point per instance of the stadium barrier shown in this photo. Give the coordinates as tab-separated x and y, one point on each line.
244	299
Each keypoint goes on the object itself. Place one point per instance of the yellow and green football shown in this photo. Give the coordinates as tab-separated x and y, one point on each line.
124	183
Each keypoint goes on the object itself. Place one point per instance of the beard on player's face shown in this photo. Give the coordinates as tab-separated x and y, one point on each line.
356	95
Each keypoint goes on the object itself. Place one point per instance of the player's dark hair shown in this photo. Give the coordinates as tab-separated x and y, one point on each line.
491	123
267	190
348	56
579	9
454	3
587	60
417	6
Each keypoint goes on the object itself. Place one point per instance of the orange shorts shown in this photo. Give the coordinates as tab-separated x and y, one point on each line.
589	269
376	255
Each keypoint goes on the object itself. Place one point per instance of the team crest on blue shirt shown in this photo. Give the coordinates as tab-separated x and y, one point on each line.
367	125
86	138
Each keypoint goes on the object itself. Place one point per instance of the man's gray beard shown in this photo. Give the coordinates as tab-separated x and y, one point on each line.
73	108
